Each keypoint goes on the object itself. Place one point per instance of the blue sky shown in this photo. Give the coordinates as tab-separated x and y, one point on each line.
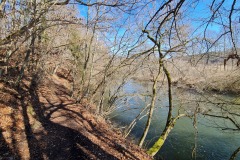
195	14
197	11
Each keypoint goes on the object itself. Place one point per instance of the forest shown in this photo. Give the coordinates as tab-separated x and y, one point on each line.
120	79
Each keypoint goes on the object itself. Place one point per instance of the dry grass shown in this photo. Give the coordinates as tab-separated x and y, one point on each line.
206	76
202	76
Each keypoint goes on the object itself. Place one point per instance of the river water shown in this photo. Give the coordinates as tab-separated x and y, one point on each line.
209	140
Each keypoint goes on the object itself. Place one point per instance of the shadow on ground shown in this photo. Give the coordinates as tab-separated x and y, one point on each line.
5	151
53	127
55	141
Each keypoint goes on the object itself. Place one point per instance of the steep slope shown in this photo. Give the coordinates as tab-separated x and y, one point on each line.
41	121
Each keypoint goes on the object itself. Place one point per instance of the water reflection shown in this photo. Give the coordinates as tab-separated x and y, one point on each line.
211	142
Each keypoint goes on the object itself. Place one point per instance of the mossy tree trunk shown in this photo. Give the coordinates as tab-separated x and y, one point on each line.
170	120
161	140
152	106
154	88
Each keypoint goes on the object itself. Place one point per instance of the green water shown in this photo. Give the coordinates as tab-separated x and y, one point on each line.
210	141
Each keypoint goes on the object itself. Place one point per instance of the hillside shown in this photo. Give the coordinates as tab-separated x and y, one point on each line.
41	121
201	72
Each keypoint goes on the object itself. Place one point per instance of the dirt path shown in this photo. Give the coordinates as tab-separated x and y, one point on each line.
43	122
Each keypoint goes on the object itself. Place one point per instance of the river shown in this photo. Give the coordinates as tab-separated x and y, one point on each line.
209	140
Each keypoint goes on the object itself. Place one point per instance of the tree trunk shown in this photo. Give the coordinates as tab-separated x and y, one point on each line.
170	121
234	155
154	95
29	51
159	143
2	5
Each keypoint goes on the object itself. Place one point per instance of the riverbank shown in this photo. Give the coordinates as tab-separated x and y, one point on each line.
202	78
212	77
214	139
202	86
39	120
228	87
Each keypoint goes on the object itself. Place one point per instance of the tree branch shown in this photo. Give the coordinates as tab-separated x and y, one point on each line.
224	117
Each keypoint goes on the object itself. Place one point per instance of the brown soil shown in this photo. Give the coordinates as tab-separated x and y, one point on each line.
41	121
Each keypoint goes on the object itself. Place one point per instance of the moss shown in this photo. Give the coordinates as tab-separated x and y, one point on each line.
30	110
36	125
156	147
